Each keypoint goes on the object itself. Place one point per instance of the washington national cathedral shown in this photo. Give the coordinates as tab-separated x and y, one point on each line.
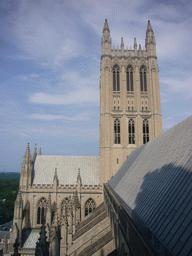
61	198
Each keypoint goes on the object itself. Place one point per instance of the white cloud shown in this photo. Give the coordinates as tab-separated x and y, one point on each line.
79	96
169	122
29	77
34	75
84	116
82	134
74	79
179	85
46	32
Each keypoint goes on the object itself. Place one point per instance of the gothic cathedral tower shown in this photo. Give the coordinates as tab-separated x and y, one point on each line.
130	109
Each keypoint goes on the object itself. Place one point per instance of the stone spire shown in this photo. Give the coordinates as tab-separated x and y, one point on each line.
149	28
150	43
55	233
122	42
79	184
55	177
26	170
106	27
42	246
106	40
122	46
140	51
135	47
40	153
34	153
27	153
79	176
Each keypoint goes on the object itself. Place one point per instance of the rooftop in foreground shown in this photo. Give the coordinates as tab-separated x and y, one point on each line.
155	183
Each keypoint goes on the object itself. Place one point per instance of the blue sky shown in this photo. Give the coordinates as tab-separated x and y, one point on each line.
50	69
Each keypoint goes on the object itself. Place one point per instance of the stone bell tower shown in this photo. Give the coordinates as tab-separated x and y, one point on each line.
130	108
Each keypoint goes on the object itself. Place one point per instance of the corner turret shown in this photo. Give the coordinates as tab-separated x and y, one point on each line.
106	40
150	43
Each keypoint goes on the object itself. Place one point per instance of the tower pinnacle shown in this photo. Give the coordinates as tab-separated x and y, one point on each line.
106	27
149	28
106	40
150	43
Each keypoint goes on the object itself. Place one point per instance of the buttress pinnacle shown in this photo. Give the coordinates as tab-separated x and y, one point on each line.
34	153
27	153
40	153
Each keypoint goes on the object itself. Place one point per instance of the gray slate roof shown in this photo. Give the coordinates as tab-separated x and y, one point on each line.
67	169
3	233
155	182
32	238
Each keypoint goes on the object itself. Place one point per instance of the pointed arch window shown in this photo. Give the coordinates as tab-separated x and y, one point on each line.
89	206
145	131
116	82
117	132
41	210
131	129
129	79
143	79
65	205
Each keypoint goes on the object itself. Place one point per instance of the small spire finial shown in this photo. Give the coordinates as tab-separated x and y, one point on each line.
40	153
79	175
55	177
122	43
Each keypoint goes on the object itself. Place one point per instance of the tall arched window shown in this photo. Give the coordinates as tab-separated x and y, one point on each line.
143	79
131	131
41	210
116	82
89	206
145	131
117	134
129	79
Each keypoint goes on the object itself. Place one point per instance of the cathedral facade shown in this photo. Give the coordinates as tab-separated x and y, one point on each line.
63	190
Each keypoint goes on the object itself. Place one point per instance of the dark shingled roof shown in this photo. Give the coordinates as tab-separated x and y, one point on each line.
155	183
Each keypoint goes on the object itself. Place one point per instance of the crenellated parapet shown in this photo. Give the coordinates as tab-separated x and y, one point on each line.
129	52
63	187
